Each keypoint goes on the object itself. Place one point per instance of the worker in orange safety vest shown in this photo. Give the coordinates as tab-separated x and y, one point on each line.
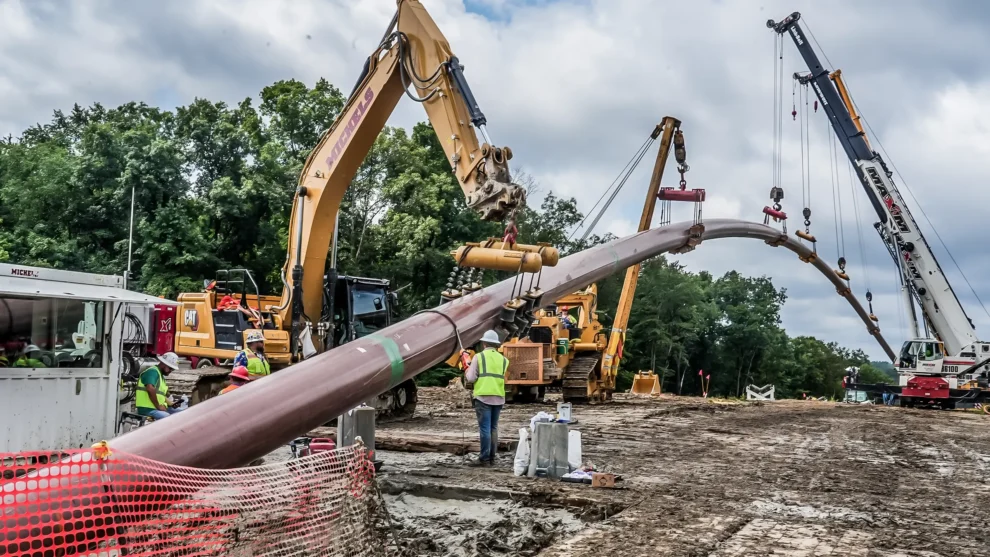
238	378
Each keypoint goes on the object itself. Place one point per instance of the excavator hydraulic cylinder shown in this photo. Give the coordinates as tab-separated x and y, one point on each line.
498	259
586	347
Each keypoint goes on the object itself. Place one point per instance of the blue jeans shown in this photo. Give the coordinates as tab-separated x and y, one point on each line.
158	414
488	429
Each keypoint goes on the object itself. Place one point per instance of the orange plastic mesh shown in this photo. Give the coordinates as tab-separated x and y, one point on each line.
84	502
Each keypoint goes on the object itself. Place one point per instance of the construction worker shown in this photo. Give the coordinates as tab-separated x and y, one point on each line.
253	357
238	377
151	398
4	362
487	375
29	357
567	319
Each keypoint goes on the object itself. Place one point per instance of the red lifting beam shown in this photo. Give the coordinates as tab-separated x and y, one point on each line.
674	194
238	427
779	215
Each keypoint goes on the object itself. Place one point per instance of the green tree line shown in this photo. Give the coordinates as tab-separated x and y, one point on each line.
213	189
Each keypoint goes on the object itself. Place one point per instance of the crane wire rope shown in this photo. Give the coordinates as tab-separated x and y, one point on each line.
859	228
903	181
617	183
804	184
901	311
840	234
778	109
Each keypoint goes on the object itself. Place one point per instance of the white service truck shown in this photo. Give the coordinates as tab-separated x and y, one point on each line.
60	356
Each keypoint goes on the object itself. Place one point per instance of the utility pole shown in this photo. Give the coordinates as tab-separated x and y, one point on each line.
130	241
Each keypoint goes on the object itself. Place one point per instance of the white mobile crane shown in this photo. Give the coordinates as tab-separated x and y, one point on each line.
940	371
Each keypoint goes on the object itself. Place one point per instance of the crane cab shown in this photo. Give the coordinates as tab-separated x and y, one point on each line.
921	357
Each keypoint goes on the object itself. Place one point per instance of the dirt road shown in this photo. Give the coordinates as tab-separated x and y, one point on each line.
703	478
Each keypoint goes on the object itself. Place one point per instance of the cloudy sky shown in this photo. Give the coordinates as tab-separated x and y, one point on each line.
574	87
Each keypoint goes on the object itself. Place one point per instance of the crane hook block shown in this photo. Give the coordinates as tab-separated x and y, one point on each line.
680	152
874	318
547	253
778	215
805	235
498	259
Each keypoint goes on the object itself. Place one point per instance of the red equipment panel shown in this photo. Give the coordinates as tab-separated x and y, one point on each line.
926	387
164	333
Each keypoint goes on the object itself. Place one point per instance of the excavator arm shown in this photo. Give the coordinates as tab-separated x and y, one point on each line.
668	130
413	59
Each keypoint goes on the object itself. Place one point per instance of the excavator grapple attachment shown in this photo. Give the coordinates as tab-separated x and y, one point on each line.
645	383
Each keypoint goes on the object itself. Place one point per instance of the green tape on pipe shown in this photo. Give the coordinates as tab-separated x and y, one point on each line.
394	357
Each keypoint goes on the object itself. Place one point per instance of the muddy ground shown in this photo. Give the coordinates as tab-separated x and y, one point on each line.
704	478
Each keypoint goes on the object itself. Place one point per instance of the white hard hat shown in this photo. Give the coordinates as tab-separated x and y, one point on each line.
170	359
255	336
31	348
491	337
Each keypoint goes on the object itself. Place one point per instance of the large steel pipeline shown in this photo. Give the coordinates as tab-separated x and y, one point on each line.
238	427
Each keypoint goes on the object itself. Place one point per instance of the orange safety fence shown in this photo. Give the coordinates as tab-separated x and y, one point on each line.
94	502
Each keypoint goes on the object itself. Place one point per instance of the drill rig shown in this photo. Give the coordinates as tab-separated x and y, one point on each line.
952	366
576	353
319	308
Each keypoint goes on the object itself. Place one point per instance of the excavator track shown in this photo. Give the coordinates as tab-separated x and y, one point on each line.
198	384
576	377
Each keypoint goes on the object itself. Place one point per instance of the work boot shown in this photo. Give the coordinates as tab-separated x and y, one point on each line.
479	463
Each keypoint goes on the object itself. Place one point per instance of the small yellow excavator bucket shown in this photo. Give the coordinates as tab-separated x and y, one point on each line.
645	383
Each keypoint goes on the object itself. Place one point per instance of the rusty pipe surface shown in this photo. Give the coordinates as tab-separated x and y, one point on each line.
245	424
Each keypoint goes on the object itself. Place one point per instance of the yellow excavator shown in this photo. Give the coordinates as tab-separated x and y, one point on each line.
567	346
320	308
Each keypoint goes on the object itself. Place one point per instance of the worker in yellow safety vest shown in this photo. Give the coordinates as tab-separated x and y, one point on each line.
253	357
487	375
238	377
30	357
151	398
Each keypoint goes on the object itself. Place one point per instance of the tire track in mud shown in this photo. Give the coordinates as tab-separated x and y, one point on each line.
797	478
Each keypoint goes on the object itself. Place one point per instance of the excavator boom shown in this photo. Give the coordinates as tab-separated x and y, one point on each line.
413	59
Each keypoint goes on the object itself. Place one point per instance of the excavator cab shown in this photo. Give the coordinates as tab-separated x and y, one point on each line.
213	324
360	307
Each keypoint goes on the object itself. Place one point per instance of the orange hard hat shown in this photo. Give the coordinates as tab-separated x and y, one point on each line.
241	372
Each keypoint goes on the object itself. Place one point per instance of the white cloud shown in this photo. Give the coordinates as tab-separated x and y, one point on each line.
575	87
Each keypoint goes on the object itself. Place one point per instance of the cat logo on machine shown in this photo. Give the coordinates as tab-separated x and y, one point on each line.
190	318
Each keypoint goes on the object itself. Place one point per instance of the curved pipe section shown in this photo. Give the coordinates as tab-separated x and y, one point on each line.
243	425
